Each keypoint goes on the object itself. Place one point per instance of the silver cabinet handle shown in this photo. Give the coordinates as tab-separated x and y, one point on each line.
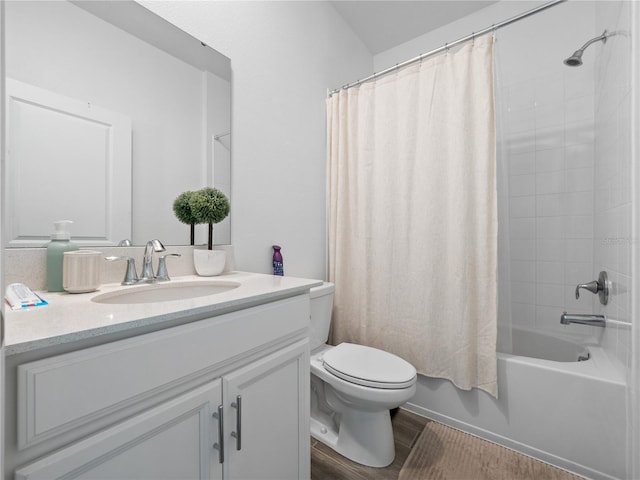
238	433
220	445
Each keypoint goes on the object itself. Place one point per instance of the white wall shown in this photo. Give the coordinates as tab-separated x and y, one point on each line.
613	182
2	218
284	57
633	404
461	28
615	245
548	135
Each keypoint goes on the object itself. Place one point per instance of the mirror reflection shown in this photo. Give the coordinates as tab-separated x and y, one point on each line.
112	112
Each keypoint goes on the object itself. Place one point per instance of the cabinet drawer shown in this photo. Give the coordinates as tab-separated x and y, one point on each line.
58	394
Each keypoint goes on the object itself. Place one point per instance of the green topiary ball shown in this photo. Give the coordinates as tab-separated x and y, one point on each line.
182	208
209	205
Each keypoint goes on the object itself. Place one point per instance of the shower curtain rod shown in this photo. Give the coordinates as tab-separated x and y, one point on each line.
447	46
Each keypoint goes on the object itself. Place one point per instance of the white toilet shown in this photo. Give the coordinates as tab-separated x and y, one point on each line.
353	387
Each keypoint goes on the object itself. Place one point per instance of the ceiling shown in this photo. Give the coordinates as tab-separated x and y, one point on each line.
384	24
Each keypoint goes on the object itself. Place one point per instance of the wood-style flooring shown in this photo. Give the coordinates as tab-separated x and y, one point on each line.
407	427
329	465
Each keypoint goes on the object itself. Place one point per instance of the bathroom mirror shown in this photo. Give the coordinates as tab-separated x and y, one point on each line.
112	112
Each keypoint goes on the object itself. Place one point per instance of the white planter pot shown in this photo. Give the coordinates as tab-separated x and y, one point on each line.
209	263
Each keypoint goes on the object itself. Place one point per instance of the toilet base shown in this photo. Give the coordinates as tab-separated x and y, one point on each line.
363	437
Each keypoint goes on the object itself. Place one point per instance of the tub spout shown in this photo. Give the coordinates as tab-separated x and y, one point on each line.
582	319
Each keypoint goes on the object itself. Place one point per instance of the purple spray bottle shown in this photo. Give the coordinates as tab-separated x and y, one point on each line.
278	268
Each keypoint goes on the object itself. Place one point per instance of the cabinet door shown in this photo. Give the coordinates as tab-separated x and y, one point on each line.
171	441
267	417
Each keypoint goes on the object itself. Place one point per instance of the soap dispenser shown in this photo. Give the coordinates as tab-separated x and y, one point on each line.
60	243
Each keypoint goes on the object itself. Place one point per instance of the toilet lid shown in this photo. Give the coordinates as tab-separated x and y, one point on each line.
369	367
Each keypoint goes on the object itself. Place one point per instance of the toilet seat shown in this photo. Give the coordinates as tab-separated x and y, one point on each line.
369	367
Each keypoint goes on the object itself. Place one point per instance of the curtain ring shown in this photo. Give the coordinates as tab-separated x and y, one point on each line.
446	48
473	38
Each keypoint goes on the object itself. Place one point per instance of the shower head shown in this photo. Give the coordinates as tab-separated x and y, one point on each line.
575	60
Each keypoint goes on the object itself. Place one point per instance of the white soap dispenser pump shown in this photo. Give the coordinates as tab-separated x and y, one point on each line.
60	243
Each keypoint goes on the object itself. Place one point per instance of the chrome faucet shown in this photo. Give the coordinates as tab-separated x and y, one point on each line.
147	275
162	275
582	319
130	276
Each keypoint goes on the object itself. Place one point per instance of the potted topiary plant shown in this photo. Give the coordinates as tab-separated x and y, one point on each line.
209	205
182	209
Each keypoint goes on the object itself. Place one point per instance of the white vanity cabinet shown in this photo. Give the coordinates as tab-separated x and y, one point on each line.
223	397
171	441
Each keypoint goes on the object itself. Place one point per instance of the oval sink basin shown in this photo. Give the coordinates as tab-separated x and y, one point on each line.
164	292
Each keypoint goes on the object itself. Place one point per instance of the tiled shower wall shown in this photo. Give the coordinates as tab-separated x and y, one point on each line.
567	143
613	234
548	113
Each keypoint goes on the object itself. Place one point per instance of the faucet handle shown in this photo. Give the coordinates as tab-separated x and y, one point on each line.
593	287
600	286
130	275
163	275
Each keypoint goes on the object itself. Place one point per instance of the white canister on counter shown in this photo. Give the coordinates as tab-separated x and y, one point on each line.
81	271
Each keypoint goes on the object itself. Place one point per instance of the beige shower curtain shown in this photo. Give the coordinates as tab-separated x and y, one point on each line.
413	215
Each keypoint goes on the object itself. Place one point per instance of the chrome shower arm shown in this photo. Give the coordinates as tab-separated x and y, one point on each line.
575	60
602	38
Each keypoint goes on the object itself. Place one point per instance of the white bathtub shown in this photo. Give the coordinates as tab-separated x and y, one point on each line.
565	412
526	343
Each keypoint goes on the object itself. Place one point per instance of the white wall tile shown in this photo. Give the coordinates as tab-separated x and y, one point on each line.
522	228
523	249
578	272
523	271
578	133
550	182
579	156
522	163
579	180
550	205
523	314
521	120
550	160
579	109
550	272
579	203
579	226
550	250
612	174
549	137
551	295
550	227
523	292
521	185
579	250
522	206
549	115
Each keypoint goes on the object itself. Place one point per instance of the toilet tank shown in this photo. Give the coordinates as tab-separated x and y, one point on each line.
321	307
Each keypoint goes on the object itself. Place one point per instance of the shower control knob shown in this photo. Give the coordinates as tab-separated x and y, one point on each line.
600	286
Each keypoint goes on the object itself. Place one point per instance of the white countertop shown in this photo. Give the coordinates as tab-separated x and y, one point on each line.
74	317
